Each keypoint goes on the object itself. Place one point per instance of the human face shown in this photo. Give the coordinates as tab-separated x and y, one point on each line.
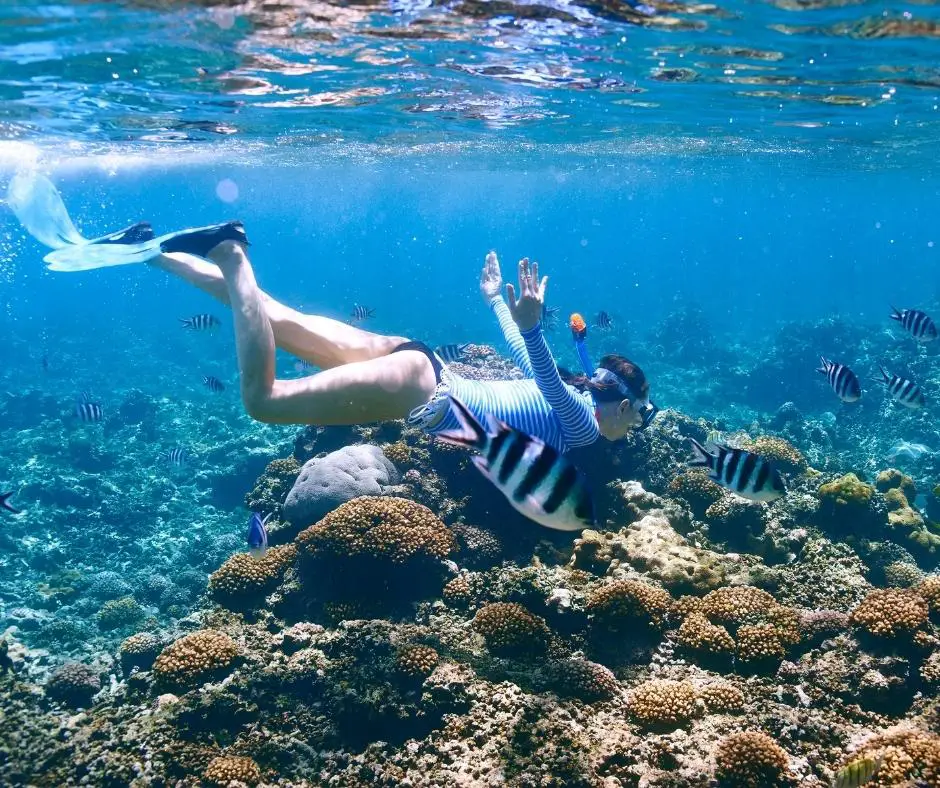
616	420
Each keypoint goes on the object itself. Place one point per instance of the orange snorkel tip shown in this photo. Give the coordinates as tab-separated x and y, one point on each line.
577	325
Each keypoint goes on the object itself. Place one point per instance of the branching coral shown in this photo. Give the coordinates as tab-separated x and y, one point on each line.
416	660
456	592
905	756
195	659
722	698
510	630
629	603
664	704
697	489
890	614
751	760
698	636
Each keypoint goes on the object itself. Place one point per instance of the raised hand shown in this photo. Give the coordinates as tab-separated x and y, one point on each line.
527	311
491	278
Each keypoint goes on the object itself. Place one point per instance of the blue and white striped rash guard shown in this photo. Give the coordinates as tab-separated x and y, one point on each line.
543	405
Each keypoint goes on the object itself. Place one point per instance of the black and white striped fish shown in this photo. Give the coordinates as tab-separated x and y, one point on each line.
904	391
177	456
842	380
89	411
452	352
360	313
604	321
740	471
303	366
918	324
204	322
538	481
213	383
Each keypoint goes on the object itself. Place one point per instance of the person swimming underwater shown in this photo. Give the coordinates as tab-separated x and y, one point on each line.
365	377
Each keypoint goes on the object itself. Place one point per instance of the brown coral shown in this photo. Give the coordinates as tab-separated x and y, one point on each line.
664	704
751	760
416	660
627	603
901	574
456	592
226	769
759	643
699	636
510	630
890	613
906	757
582	679
892	478
697	489
930	670
737	605
929	591
139	651
242	582
195	658
73	684
783	454
398	452
722	698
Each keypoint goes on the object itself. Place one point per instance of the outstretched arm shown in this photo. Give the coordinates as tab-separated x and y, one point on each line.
574	411
491	282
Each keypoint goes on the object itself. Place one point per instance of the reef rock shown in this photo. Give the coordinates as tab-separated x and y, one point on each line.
327	482
651	545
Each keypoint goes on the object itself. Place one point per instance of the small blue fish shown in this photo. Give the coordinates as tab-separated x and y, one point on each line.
5	502
257	535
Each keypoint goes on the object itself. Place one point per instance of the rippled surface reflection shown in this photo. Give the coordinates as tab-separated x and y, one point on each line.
280	71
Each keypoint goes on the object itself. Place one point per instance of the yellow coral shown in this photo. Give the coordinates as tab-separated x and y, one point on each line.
195	658
226	769
664	704
783	454
511	630
398	452
722	698
846	491
890	613
905	756
698	635
242	582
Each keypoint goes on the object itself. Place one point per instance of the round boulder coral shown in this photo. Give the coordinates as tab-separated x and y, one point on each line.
664	704
906	757
226	769
510	630
751	760
457	593
376	548
890	614
759	643
697	489
625	604
195	659
697	635
243	581
73	684
722	698
416	660
582	679
893	479
783	454
119	613
929	591
139	651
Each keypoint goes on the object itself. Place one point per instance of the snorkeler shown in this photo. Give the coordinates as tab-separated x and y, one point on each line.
367	377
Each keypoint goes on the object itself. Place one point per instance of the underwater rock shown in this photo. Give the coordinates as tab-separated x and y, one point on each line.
326	482
653	546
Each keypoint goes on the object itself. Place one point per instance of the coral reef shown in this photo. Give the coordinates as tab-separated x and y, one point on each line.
242	582
139	651
629	604
194	659
271	488
891	614
751	760
510	630
416	660
73	684
582	679
664	704
120	613
783	454
227	769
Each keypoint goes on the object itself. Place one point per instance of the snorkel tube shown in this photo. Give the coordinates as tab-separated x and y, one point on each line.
578	328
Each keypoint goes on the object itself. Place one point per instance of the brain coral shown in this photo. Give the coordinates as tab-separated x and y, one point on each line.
416	660
783	454
243	581
890	613
751	760
628	603
579	678
195	659
73	684
226	769
664	704
510	630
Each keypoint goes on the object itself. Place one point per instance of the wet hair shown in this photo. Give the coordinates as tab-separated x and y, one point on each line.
631	375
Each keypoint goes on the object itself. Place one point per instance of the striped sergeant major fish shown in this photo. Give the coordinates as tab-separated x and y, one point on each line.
258	535
918	324
452	352
204	322
604	321
538	481
842	380
904	391
360	313
213	383
177	456
5	502
740	471
857	773
88	411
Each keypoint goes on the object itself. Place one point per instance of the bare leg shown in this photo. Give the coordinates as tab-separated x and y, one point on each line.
320	340
382	388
